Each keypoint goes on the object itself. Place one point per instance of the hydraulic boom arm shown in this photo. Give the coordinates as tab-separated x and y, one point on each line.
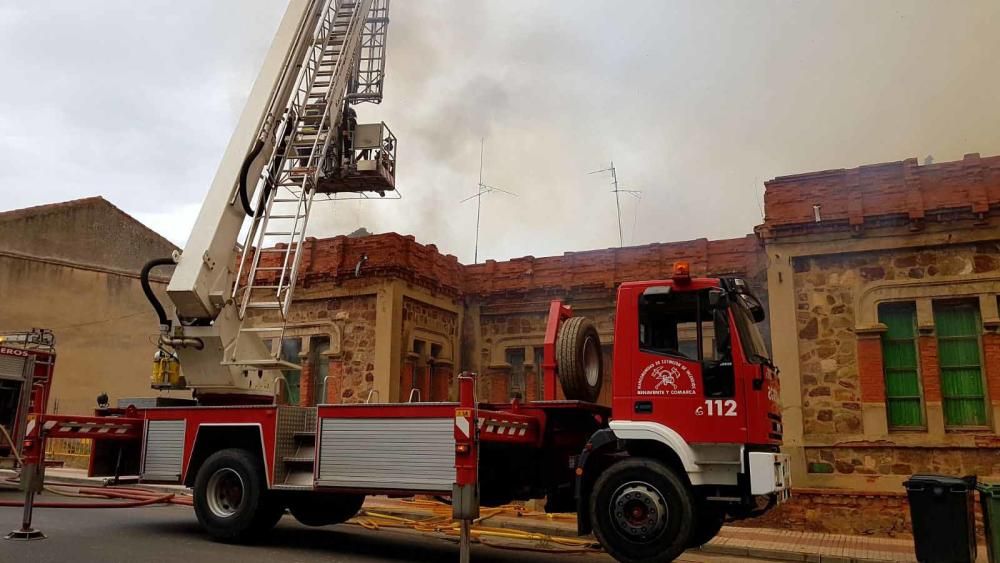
297	136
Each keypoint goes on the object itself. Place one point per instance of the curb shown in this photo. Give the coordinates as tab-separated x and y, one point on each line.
780	555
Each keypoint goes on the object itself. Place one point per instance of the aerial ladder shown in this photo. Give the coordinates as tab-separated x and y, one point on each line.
297	142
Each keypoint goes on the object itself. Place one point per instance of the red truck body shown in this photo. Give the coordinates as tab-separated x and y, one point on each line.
694	420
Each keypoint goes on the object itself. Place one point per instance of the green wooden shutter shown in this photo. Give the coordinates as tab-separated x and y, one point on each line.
904	403
958	333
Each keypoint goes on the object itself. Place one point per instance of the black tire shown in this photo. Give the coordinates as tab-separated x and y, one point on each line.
708	521
318	509
655	516
231	499
578	359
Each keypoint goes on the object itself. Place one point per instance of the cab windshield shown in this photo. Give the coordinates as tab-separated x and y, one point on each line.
754	347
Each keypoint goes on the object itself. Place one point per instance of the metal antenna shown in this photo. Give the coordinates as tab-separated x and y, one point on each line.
482	189
617	191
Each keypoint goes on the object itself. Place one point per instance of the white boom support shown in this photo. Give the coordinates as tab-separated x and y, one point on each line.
289	139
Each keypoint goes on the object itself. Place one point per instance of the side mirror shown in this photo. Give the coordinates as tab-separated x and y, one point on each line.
715	297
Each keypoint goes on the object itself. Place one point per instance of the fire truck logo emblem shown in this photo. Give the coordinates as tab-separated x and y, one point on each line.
666	377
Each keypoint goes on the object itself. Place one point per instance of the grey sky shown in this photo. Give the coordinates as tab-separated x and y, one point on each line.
697	103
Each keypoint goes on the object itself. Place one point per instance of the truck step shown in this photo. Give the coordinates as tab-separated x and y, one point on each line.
298	481
305	436
293	460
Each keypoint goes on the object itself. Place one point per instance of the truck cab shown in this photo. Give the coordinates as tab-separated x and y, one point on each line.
688	355
695	429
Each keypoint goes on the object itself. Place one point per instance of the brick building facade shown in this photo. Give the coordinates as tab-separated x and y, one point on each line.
883	282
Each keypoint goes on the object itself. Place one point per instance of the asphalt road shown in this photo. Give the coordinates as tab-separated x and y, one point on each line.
171	534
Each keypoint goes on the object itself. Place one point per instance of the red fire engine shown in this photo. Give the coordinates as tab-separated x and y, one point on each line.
691	437
24	384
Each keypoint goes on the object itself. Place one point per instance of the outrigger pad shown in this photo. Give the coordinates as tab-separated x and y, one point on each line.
25	535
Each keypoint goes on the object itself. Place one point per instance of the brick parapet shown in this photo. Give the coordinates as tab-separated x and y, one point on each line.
340	260
892	192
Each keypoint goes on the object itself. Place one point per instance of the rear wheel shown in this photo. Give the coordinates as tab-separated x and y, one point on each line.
231	499
641	512
578	359
318	509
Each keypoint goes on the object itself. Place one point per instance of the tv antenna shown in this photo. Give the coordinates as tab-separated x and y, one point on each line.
482	189
618	190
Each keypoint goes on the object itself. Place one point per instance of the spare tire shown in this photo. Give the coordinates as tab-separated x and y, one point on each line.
578	360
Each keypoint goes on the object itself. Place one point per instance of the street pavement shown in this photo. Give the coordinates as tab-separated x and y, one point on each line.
170	534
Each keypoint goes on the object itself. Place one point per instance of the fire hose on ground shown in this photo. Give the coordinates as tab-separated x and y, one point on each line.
135	498
438	522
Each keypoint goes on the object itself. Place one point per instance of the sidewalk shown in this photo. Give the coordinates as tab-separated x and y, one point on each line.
758	543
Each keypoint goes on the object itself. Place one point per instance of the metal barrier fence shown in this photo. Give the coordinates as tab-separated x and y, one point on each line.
73	453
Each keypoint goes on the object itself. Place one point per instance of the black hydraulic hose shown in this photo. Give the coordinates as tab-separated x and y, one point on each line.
148	291
244	171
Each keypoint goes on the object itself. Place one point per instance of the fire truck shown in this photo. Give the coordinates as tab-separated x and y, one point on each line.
27	361
691	437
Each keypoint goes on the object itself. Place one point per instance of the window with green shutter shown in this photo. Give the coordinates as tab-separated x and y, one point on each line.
904	400
958	328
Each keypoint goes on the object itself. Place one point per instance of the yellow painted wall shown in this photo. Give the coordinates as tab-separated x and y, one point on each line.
103	325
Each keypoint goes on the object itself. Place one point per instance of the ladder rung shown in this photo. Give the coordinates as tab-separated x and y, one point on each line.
260	329
282	233
285	216
264	305
270	268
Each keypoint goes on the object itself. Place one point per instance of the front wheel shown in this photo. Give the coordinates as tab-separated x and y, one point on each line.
231	499
641	511
708	523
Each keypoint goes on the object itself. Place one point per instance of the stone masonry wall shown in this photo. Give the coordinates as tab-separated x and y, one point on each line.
357	345
825	289
351	373
905	461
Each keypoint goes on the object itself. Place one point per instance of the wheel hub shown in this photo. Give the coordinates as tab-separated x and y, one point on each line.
638	511
225	493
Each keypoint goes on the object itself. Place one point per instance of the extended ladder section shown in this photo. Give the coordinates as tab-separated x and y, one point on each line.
312	145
